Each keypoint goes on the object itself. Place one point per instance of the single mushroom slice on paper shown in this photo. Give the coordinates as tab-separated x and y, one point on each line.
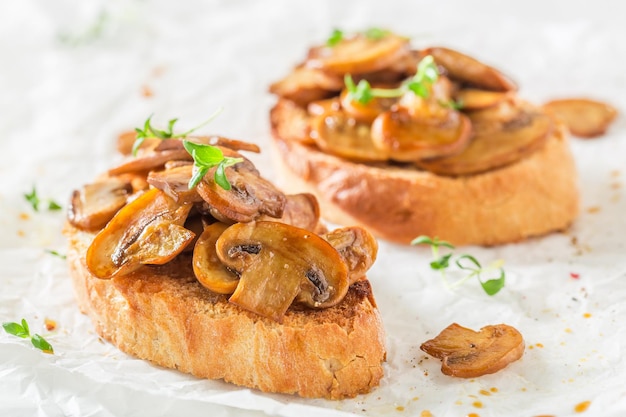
357	247
359	54
468	354
469	70
336	133
147	231
496	142
207	266
95	204
584	117
280	264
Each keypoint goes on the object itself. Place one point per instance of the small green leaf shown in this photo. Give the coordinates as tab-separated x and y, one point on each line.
220	177
25	326
422	240
53	205
472	259
376	33
198	174
335	37
55	253
41	344
441	263
204	155
16	329
33	199
493	286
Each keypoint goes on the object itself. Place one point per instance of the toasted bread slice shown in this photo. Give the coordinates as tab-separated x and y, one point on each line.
163	314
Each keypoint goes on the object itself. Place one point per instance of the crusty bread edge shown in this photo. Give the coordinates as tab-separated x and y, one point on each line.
162	315
531	197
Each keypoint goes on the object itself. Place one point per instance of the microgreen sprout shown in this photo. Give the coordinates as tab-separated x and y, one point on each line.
420	84
464	262
335	37
55	253
374	34
36	202
22	330
204	156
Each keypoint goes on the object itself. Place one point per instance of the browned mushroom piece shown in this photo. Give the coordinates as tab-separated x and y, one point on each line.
357	247
207	266
305	84
584	117
337	133
150	160
250	195
95	204
469	70
474	99
317	108
175	183
407	138
301	210
359	54
365	113
280	264
468	354
496	142
220	141
147	230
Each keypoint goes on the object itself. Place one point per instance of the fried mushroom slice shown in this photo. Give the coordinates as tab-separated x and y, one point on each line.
475	99
305	84
207	266
301	210
95	204
468	354
357	247
359	54
469	70
250	195
280	264
496	142
584	117
174	182
147	231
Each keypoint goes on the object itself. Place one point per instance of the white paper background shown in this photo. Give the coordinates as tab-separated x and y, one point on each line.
62	105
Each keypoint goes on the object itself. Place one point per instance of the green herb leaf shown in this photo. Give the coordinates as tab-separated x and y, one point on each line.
493	286
472	259
220	177
335	37
441	263
376	33
53	205
426	240
362	92
41	344
16	329
55	253
33	199
206	157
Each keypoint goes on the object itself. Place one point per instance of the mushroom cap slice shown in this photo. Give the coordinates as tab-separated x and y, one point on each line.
250	195
207	266
359	54
150	160
408	139
278	264
469	70
301	210
357	247
469	354
147	230
475	99
305	84
584	118
175	183
365	112
337	133
495	143
95	204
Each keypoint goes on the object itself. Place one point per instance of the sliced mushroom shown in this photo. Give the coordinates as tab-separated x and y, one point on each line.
407	138
365	113
150	160
95	204
278	264
495	144
475	99
250	195
468	354
469	70
317	108
301	210
305	84
207	266
357	247
359	54
146	231
220	141
175	183
339	134
585	118
290	122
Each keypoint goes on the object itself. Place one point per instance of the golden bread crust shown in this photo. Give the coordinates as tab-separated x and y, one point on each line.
536	195
162	314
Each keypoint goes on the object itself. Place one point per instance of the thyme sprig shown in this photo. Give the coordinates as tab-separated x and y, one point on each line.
464	262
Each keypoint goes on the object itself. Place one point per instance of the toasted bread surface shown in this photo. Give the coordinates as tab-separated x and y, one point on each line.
162	314
533	196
